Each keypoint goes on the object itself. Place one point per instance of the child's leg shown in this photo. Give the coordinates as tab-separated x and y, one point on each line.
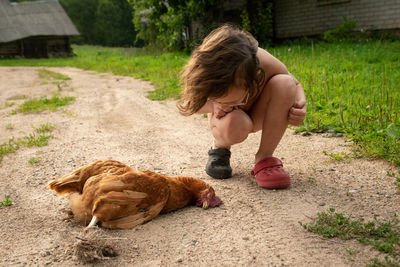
231	129
270	113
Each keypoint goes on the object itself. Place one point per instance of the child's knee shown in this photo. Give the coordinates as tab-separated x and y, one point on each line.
282	86
237	126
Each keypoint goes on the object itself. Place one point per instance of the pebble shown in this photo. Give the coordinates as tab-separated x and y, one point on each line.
322	203
180	260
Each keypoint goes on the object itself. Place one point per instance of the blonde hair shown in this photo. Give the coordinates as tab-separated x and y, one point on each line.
226	57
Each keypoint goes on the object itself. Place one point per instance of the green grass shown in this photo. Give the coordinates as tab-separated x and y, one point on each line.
34	160
44	103
351	88
52	75
6	202
38	138
384	236
162	69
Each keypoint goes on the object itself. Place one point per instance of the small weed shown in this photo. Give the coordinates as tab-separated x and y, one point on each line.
9	104
386	263
52	75
38	105
10	126
382	235
44	128
338	157
34	160
312	180
6	202
352	253
34	139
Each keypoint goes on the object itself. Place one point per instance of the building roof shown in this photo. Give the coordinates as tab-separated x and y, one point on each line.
26	19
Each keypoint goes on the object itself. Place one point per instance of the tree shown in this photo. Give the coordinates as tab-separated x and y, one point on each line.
114	23
101	22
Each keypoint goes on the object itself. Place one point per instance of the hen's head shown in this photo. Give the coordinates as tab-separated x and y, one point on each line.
208	199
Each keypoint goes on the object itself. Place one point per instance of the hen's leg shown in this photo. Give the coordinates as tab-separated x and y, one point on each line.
92	224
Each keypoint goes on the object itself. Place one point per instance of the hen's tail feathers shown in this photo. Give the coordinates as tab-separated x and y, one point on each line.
75	181
71	183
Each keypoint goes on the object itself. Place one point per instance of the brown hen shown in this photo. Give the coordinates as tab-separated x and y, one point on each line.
118	196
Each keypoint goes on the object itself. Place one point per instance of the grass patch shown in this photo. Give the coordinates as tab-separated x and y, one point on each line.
162	69
34	160
384	236
44	128
37	138
338	157
41	104
10	126
351	87
6	202
52	75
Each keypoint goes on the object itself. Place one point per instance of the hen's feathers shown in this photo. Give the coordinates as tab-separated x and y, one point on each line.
75	181
121	197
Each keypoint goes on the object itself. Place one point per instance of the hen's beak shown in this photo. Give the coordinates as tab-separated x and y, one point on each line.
205	204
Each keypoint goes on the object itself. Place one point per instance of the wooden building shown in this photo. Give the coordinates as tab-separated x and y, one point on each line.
296	18
35	29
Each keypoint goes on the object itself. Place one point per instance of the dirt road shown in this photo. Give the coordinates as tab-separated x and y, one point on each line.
112	119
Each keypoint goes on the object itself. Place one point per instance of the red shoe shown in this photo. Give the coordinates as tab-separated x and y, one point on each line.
269	174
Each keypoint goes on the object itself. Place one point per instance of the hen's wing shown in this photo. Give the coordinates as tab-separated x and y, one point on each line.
75	181
127	200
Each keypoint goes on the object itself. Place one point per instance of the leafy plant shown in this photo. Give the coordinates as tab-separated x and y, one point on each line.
44	128
7	202
34	160
342	32
339	157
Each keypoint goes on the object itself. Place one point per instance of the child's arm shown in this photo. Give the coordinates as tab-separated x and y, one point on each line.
272	66
297	113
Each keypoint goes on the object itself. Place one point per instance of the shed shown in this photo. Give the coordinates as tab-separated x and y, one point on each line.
296	18
35	29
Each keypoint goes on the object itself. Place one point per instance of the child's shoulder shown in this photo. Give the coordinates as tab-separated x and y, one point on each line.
270	64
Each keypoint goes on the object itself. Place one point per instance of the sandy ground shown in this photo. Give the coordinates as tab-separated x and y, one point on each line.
112	119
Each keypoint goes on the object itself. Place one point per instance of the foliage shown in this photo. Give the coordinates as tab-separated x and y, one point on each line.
101	22
342	31
382	235
167	23
257	19
184	23
6	202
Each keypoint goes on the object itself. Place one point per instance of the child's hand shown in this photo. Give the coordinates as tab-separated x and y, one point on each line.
297	113
220	111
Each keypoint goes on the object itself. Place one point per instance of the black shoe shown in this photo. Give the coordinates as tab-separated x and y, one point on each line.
218	165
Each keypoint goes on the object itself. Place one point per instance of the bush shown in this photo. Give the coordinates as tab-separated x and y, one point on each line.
342	32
